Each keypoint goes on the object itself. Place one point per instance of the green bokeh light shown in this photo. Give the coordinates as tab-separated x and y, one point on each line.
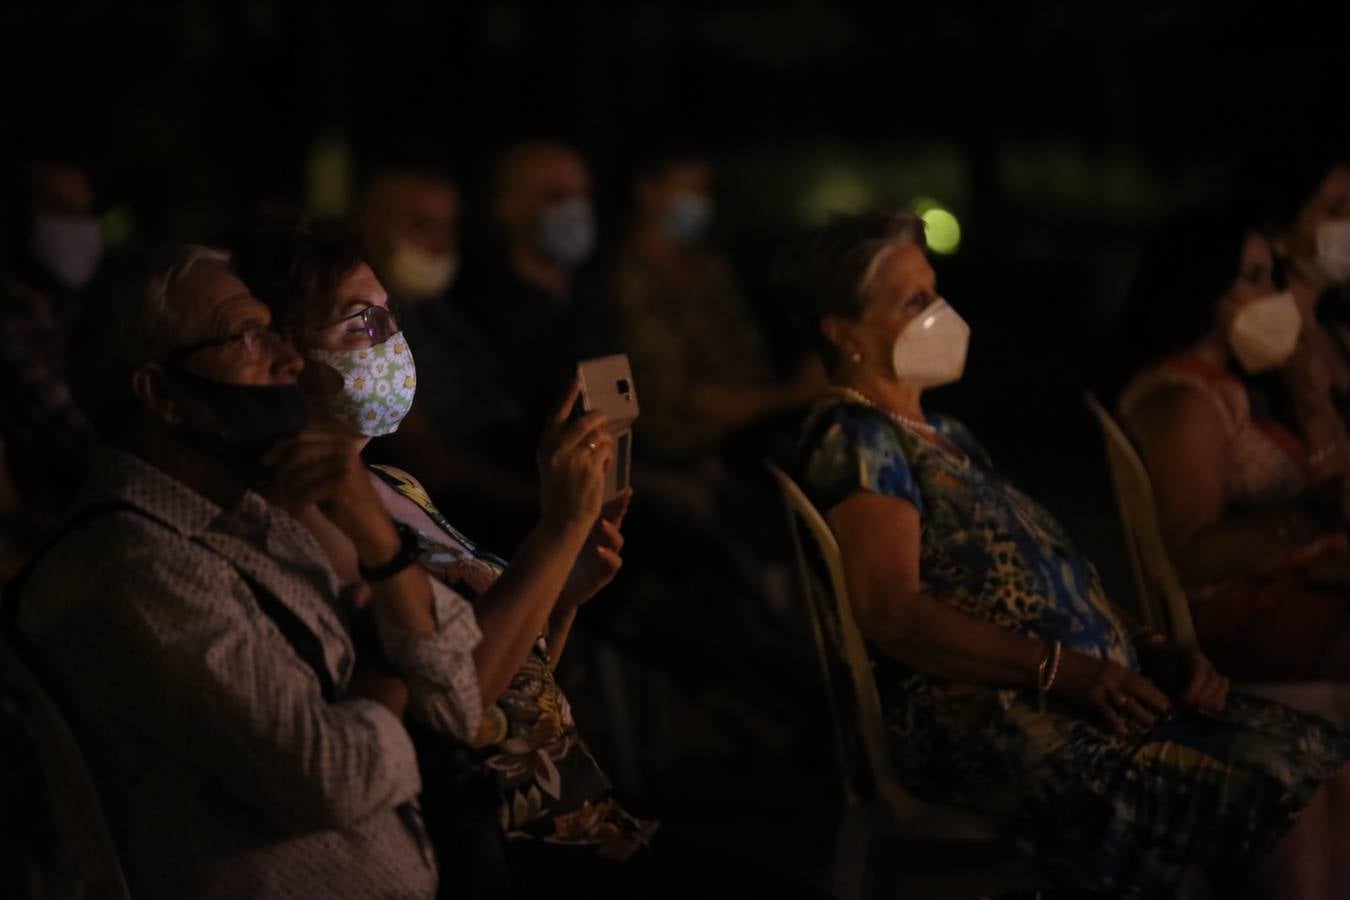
117	224
941	227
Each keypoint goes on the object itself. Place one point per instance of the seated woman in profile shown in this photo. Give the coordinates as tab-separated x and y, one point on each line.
1009	684
1249	508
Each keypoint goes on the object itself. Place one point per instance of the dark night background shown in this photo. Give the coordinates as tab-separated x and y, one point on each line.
1058	133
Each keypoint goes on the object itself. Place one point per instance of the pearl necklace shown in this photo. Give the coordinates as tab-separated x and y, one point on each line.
933	437
859	397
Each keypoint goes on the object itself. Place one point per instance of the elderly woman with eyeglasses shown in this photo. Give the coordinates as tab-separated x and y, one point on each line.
554	798
1009	683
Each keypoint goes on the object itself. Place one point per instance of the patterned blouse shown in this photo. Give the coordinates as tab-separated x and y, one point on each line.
1266	462
551	787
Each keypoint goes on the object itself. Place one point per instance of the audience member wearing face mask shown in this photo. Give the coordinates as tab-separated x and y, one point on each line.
53	249
465	437
713	402
541	309
245	745
1300	195
697	348
362	374
1008	682
1250	509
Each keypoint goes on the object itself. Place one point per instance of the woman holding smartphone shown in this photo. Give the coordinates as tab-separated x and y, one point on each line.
555	806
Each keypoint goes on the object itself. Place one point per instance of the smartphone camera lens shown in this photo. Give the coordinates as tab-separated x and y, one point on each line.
622	385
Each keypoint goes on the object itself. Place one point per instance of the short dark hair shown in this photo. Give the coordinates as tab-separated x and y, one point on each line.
825	271
294	263
131	316
1185	268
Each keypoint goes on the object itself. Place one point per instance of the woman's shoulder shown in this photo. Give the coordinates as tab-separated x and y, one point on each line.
1183	390
848	447
836	423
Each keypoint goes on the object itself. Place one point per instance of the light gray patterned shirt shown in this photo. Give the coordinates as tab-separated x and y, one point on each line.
224	771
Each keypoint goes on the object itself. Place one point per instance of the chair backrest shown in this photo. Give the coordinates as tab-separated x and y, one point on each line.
75	851
1162	598
854	704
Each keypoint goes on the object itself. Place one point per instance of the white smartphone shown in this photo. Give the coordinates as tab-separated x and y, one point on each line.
607	386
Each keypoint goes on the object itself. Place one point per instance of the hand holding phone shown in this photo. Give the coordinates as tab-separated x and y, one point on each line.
574	456
607	387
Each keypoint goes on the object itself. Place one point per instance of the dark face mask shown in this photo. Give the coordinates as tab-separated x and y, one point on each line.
247	418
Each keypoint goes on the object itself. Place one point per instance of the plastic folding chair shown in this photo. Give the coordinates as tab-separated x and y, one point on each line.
973	855
1162	599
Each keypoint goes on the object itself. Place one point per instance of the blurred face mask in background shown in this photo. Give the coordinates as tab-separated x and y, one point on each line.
1333	250
1264	332
69	246
688	217
565	232
417	274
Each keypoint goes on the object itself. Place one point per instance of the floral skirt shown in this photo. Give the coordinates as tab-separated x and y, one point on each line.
1133	817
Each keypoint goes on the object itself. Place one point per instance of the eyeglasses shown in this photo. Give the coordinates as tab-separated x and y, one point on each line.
251	340
379	323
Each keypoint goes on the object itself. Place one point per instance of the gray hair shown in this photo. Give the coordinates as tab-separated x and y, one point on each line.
134	315
829	270
906	228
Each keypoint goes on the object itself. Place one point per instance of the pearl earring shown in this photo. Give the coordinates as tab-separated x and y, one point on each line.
855	357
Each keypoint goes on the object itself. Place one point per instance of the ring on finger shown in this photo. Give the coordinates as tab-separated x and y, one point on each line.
591	445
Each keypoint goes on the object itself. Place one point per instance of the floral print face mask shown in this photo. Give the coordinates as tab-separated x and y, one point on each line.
378	384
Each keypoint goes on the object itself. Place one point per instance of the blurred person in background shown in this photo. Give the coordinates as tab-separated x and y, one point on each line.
465	436
712	401
1251	513
1300	196
696	347
539	308
51	249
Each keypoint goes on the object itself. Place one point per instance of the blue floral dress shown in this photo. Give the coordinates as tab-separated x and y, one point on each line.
1123	816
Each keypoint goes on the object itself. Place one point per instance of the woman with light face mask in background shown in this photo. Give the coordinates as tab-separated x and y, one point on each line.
360	371
1300	196
1009	684
1250	508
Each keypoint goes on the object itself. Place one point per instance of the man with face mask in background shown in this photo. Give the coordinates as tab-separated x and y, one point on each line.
51	249
697	350
712	400
241	744
463	429
540	309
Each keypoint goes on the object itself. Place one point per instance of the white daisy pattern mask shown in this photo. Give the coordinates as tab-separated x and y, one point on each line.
378	384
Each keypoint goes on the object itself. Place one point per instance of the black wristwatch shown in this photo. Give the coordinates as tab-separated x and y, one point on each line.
408	551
